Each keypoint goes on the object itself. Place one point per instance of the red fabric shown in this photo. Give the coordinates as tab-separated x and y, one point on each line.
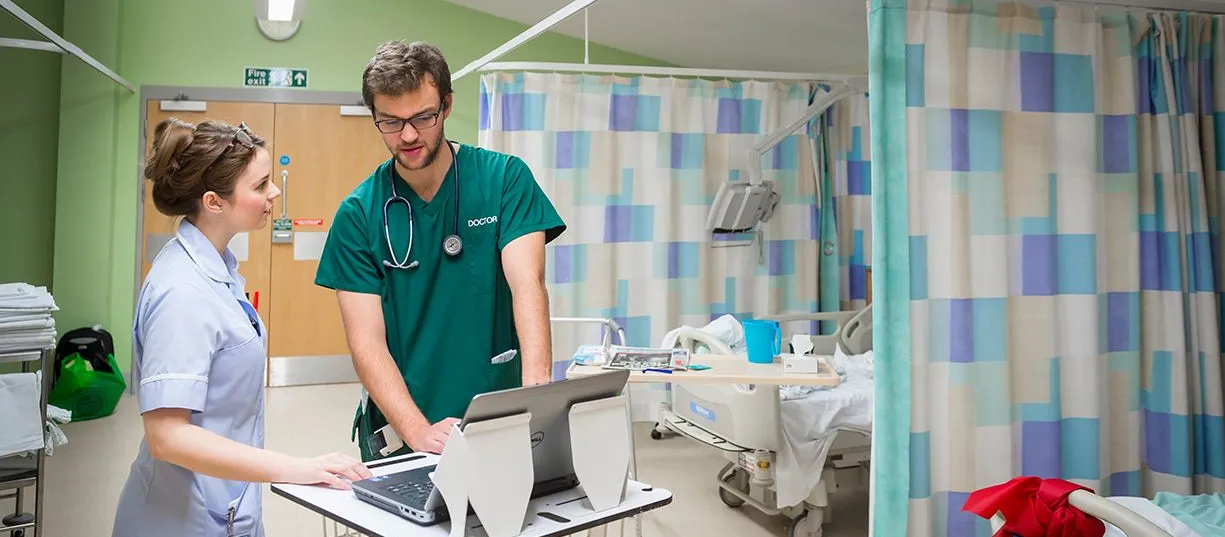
1035	507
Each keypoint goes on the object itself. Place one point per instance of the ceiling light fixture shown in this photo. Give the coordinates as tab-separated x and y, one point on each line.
280	10
279	20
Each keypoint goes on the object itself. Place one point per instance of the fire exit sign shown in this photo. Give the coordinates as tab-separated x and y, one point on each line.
274	77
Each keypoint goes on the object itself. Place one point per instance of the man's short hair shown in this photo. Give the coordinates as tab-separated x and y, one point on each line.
398	68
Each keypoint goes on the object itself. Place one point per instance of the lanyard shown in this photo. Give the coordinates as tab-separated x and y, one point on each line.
252	315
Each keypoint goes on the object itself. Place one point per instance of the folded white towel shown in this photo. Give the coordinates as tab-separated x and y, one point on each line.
30	331
23	315
41	322
21	421
23	297
17	289
26	342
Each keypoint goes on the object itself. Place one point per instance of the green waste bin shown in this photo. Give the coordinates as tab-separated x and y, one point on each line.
87	380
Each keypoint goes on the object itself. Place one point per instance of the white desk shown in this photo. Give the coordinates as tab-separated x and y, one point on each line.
563	513
726	369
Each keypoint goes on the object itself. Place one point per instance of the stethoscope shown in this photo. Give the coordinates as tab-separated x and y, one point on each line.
452	245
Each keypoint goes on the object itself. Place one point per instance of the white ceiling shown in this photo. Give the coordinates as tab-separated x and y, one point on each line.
716	35
811	36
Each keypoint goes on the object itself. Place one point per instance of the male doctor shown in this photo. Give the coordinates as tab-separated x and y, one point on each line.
432	321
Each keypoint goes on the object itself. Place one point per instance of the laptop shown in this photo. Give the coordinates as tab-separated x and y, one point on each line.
411	493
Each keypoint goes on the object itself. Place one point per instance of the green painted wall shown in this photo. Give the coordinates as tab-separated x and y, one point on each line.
29	141
207	43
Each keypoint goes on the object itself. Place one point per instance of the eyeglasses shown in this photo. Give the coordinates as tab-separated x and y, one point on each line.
395	125
242	136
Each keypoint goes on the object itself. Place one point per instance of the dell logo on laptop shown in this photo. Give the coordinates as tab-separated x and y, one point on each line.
537	438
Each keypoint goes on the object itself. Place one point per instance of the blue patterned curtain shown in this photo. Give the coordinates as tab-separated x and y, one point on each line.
1180	59
1062	177
632	165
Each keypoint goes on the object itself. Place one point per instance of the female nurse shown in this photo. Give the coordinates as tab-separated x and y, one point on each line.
199	354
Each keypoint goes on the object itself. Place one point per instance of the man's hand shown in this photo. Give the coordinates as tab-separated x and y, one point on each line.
431	438
523	262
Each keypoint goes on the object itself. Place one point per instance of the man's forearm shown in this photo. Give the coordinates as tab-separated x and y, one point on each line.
382	379
531	307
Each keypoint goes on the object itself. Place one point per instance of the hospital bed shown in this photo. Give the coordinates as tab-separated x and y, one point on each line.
785	446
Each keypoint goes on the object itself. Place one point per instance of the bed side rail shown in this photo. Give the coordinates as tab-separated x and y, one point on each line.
1130	522
610	327
853	332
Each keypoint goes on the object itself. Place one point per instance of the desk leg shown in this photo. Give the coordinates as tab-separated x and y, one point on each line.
633	461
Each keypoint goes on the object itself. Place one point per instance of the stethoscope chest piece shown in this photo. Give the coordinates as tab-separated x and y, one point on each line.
452	245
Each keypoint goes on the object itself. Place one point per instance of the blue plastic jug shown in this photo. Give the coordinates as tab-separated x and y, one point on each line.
764	340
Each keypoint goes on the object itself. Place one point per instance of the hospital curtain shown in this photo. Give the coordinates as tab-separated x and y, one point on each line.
632	164
1062	233
843	137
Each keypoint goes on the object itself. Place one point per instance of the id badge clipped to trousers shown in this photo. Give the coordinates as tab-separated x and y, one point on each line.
376	438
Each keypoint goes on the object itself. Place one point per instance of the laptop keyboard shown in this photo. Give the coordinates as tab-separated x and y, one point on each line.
413	492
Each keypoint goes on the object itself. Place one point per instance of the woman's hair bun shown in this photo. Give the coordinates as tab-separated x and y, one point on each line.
170	138
186	161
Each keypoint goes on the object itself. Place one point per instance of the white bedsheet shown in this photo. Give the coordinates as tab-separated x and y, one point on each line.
1147	509
811	422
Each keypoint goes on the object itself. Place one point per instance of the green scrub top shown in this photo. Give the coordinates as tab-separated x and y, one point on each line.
448	317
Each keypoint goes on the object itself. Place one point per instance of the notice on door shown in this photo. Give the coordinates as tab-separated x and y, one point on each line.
307	222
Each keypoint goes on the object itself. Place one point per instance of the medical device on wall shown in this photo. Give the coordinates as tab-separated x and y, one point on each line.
740	205
452	245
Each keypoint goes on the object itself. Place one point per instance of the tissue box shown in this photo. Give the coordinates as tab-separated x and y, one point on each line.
808	363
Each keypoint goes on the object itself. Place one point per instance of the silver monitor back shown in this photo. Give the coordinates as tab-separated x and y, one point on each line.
549	405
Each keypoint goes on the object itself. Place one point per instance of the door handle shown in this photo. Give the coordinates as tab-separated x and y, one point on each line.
282	228
284	194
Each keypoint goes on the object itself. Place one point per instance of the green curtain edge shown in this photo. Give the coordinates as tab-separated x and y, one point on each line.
829	295
890	268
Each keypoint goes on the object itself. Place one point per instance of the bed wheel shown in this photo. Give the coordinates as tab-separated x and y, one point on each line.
794	528
15	520
737	479
801	527
657	432
729	500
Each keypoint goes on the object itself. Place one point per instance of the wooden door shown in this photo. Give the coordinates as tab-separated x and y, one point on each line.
252	250
329	154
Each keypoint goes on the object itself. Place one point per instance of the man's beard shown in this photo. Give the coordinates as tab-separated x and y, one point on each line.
431	153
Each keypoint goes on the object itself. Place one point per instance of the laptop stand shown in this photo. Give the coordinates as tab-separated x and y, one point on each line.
488	464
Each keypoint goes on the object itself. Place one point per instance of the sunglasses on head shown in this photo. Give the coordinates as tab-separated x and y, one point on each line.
241	135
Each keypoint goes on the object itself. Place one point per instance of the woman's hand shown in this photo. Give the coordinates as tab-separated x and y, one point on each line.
335	470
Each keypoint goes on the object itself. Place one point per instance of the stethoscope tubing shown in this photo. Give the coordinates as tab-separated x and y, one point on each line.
396	197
